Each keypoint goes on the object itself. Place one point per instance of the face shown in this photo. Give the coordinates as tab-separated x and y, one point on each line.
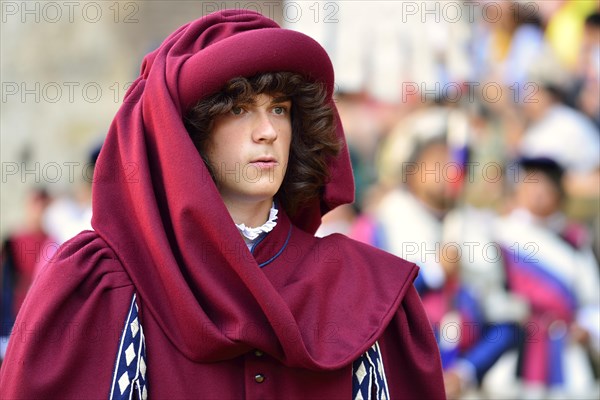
249	147
429	184
538	194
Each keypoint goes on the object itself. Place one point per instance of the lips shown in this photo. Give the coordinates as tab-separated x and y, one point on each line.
265	162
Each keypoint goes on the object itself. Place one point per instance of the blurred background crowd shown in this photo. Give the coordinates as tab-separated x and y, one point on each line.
474	132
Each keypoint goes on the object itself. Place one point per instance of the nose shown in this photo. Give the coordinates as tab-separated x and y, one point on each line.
264	129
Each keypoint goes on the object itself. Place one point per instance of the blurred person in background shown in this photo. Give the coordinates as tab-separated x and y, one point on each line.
586	89
503	49
418	172
23	254
545	57
488	316
410	216
542	53
525	46
549	263
554	130
475	320
68	215
565	22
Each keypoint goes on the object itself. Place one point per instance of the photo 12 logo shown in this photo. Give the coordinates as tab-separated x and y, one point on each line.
290	12
55	92
466	11
68	172
53	12
455	92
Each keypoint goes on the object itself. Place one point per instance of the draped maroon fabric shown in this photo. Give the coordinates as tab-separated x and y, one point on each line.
161	230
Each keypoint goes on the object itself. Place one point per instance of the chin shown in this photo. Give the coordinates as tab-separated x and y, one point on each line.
261	194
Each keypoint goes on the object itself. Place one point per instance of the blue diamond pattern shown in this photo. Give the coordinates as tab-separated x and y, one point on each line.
129	377
368	376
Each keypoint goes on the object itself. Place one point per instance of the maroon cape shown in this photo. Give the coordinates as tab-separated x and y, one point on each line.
161	231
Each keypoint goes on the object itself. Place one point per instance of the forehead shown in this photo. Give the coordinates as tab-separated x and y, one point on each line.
434	151
265	98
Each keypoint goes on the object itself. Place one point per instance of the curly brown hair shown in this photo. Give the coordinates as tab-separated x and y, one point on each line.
314	140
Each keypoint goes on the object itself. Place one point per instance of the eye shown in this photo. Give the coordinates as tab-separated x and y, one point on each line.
237	110
280	110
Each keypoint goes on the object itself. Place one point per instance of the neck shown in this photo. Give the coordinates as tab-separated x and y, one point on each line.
435	205
251	214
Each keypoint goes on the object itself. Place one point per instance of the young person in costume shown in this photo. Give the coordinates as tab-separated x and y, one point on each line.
462	290
549	262
231	122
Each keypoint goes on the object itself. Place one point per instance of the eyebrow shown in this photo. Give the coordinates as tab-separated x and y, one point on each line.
274	100
280	99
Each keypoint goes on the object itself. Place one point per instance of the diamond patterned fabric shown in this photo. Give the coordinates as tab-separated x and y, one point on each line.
368	376
129	378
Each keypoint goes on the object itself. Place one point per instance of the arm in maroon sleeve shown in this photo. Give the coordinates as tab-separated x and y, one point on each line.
410	354
66	336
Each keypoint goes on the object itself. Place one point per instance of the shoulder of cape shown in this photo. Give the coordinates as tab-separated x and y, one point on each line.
85	258
337	258
340	246
343	274
66	336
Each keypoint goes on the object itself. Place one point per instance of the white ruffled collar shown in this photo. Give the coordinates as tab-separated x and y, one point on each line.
253	233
